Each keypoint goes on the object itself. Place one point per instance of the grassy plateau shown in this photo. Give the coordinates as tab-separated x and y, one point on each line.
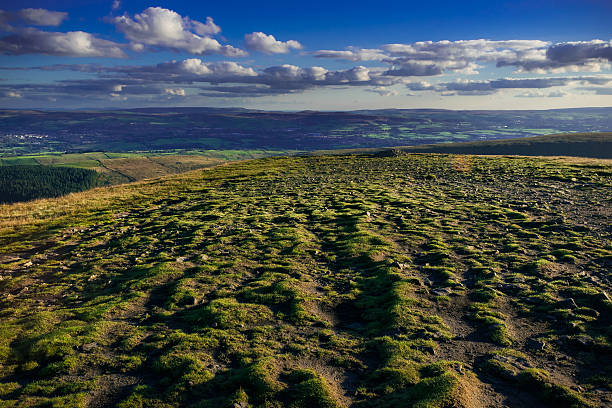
364	280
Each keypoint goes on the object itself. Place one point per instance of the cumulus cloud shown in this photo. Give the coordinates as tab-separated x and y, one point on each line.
228	79
72	44
467	87
162	28
429	58
208	28
415	69
42	17
352	54
265	43
11	94
215	79
592	56
471	50
598	90
383	91
577	52
420	86
175	91
540	94
194	67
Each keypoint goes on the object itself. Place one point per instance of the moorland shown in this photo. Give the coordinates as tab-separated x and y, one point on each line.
371	279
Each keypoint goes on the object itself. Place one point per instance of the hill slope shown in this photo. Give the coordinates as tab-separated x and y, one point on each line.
420	280
595	145
574	144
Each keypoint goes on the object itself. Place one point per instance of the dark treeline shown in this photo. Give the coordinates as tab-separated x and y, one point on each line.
24	182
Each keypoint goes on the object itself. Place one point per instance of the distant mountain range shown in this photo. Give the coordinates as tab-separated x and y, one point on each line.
200	128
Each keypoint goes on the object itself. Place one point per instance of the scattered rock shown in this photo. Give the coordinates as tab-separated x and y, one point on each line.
442	291
583	340
537	345
568	303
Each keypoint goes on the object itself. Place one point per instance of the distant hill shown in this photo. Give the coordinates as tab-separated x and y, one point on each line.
595	145
198	128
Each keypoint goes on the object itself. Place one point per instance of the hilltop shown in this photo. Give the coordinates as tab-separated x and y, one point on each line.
322	281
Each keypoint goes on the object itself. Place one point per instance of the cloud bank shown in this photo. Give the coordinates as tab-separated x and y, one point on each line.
443	68
261	42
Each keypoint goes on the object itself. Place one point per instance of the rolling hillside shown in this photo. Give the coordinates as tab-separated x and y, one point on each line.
595	145
321	281
166	129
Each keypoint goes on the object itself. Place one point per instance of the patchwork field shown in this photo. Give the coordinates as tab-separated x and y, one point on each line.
327	281
118	168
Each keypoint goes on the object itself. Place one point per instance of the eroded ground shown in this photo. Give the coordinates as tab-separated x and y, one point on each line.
419	280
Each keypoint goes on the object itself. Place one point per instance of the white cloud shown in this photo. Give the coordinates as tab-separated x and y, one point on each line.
420	86
540	94
42	17
12	94
383	91
429	58
353	54
175	92
163	28
72	44
196	66
208	28
116	5
261	42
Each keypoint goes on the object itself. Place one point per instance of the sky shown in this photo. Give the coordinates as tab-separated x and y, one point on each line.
317	55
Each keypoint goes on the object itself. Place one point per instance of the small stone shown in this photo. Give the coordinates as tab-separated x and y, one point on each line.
583	340
442	291
536	345
568	303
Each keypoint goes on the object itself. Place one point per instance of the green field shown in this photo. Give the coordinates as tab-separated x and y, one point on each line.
323	281
118	168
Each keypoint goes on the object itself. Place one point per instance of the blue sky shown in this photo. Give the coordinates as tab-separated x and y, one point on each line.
326	55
